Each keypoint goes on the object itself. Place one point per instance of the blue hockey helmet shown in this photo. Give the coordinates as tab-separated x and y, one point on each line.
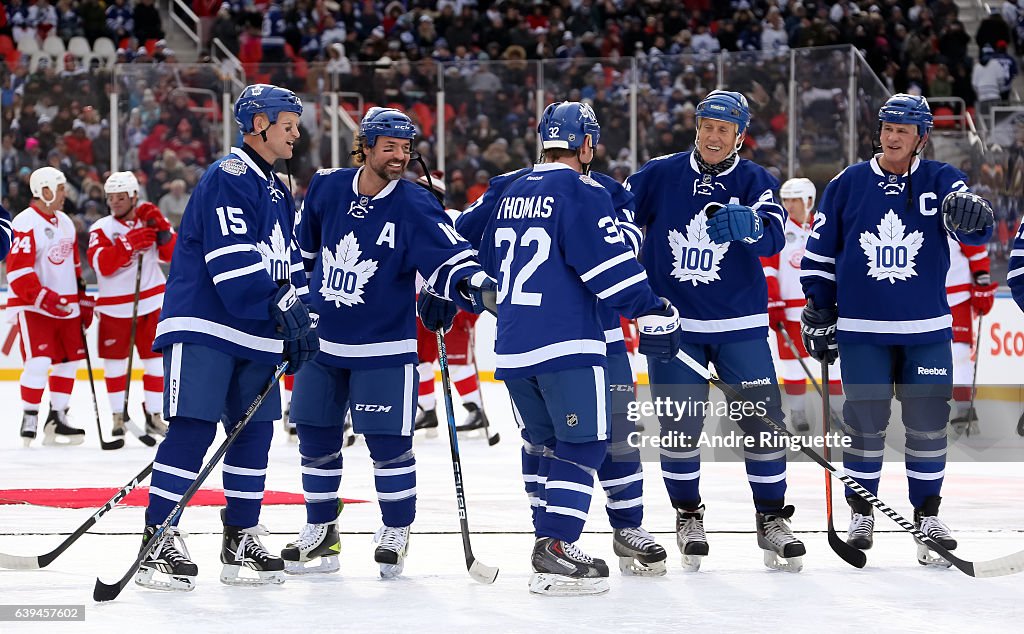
565	124
725	105
265	98
389	122
909	109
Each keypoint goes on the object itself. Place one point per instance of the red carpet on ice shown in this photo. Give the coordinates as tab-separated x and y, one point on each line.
89	498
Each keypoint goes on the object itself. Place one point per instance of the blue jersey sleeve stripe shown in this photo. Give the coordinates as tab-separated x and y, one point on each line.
1015	273
549	352
613	335
231	248
451	279
811	273
377	349
604	266
621	286
1017	253
308	255
811	255
297	267
724	325
235	273
450	262
220	331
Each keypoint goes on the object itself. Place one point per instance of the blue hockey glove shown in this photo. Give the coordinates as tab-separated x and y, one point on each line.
818	330
659	332
436	312
729	223
481	292
967	212
291	315
298	351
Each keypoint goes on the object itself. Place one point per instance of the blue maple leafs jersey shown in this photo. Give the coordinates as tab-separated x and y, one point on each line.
473	221
555	248
5	233
234	246
362	254
882	263
1015	274
719	289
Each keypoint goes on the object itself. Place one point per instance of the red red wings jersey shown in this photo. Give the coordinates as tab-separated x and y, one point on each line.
44	253
964	262
785	267
117	289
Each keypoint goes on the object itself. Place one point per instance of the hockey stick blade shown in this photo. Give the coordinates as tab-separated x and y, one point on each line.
853	556
1008	565
136	431
481	573
494	440
41	561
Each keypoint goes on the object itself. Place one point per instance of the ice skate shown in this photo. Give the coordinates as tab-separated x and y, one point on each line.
169	557
29	423
1020	425
242	549
426	419
638	553
800	423
862	524
393	545
966	424
782	550
348	434
561	569
691	538
476	419
289	426
56	430
117	429
317	543
155	425
927	521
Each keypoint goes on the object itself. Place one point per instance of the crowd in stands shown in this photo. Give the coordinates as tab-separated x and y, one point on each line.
494	56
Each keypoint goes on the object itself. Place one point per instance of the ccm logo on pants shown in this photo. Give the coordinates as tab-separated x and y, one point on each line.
370	407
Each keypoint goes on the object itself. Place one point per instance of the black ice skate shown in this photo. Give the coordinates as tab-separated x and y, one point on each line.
29	423
427	419
782	550
690	537
561	569
348	434
476	419
169	557
242	549
862	524
155	425
927	521
393	545
289	426
56	430
638	553
117	429
318	543
966	423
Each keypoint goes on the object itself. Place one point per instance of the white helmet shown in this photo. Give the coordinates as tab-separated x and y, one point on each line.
801	188
122	182
46	177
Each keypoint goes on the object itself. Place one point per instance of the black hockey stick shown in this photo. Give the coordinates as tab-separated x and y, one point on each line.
129	424
971	414
477	570
853	556
1008	565
496	438
1020	425
117	443
108	592
781	327
41	561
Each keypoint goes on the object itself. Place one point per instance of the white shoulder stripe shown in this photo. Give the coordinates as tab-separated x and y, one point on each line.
811	255
231	248
233	273
604	266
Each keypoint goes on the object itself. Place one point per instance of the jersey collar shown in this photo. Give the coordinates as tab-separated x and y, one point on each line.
696	168
390	187
242	154
550	167
877	169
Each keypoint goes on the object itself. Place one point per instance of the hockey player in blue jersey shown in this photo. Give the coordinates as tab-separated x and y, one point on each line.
709	216
554	245
621	473
5	233
874	276
1015	273
232	308
364	234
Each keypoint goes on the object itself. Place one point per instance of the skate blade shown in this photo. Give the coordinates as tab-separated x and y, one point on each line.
633	567
926	557
431	432
691	563
26	441
231	574
392	571
117	431
554	585
326	565
786	564
68	441
174	583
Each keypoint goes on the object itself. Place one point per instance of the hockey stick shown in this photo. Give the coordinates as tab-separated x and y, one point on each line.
1008	565
491	440
851	555
41	561
971	414
108	592
781	328
143	437
117	443
477	570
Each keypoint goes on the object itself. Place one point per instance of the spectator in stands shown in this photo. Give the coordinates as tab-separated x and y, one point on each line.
987	79
119	21
79	146
172	204
146	17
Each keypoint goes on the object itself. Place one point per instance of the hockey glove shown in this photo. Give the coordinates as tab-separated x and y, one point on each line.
87	308
292	316
730	223
51	303
776	305
818	330
481	292
140	238
436	312
659	332
983	293
967	212
298	351
150	215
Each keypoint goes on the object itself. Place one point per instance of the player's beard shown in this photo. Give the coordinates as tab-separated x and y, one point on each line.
387	175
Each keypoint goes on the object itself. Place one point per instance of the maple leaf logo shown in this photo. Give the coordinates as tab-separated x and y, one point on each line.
696	259
344	274
277	257
891	253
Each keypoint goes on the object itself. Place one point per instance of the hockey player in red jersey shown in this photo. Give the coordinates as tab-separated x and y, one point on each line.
49	302
126	249
786	300
970	292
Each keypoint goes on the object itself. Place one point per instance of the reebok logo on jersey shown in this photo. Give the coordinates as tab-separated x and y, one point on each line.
892	251
756	383
922	371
